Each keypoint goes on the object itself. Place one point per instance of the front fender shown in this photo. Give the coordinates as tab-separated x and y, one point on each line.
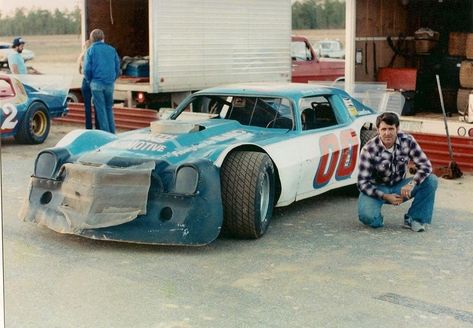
220	154
81	141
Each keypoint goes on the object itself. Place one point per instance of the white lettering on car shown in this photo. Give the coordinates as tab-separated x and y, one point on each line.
145	145
10	121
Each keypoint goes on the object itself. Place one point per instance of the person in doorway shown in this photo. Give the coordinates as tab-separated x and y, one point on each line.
15	60
101	69
382	176
86	92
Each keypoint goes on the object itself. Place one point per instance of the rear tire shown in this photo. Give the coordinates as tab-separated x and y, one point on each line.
248	189
367	135
35	125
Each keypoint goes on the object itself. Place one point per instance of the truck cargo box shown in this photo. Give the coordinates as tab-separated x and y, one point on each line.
194	44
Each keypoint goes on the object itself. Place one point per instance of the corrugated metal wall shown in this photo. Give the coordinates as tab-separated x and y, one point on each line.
209	42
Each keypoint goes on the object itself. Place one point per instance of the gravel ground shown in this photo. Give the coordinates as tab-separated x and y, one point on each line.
316	267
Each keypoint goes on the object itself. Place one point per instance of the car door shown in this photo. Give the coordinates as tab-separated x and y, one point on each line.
328	146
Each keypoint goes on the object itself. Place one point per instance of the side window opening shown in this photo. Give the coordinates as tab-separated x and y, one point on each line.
317	113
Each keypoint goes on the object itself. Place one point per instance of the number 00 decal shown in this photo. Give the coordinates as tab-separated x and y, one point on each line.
341	156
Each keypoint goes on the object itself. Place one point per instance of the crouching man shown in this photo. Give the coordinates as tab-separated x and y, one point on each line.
382	176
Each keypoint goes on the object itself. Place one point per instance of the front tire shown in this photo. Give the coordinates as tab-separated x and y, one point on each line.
35	125
248	190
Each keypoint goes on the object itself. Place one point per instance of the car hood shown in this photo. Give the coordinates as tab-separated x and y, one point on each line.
181	141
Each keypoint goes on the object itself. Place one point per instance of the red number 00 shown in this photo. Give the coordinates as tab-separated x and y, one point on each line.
331	158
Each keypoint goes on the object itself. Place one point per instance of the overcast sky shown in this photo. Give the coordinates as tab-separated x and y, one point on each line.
8	6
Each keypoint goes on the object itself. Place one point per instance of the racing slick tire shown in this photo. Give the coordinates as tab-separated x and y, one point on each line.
248	191
34	128
366	135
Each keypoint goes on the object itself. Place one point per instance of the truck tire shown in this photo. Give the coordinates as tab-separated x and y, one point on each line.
367	135
248	189
35	125
72	97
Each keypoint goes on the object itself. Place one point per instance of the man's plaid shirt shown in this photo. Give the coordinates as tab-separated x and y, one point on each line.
379	166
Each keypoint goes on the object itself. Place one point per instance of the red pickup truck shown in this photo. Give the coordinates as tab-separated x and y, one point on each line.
307	67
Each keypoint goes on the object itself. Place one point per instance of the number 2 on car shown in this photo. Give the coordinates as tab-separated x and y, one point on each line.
9	120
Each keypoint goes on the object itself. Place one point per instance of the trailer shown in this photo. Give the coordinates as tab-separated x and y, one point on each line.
172	48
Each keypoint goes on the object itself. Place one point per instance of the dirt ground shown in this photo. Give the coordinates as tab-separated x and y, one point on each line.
316	267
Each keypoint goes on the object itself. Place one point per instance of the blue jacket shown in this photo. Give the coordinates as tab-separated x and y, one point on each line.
101	63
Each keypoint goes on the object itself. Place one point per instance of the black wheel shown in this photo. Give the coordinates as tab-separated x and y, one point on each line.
367	135
35	125
247	179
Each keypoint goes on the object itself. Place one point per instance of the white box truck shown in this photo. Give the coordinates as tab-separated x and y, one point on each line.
193	44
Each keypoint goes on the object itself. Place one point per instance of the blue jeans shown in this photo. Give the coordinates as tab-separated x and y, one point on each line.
421	210
87	95
103	102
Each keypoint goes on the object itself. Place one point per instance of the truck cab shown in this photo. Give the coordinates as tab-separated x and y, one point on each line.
306	66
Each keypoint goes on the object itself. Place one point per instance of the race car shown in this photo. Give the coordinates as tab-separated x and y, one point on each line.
26	111
220	162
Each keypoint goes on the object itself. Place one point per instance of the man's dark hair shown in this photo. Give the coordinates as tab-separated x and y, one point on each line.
389	118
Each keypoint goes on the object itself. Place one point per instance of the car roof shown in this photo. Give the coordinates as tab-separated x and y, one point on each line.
286	90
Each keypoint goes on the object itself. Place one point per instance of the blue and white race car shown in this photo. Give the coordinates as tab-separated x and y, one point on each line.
221	161
26	111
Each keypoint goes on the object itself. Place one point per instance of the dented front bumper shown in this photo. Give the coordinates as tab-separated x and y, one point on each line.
145	203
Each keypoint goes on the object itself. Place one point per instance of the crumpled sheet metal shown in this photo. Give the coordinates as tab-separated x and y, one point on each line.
88	197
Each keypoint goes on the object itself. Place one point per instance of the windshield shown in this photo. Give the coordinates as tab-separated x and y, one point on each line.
266	112
300	51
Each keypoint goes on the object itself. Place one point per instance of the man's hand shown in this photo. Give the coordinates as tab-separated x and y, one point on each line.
394	199
406	191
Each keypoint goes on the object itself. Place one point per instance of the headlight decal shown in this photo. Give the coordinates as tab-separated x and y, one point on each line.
187	179
49	161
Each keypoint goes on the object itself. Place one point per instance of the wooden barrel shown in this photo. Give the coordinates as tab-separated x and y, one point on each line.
457	44
462	100
466	74
469	46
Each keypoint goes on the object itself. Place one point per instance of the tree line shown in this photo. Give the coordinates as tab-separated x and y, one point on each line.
306	14
318	14
40	22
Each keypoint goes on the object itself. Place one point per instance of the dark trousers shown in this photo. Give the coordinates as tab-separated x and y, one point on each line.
87	95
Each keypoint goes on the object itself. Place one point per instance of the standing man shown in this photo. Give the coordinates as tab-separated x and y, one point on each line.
382	176
85	89
101	69
15	60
